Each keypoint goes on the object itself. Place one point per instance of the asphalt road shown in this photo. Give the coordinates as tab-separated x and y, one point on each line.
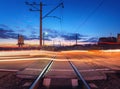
84	60
93	65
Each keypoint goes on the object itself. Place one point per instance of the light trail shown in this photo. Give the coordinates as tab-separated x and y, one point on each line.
6	58
70	51
116	50
25	53
30	59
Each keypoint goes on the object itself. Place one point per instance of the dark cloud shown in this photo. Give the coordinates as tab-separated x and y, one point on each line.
51	36
72	36
28	38
7	33
54	34
4	26
32	37
22	30
36	38
4	33
93	39
51	33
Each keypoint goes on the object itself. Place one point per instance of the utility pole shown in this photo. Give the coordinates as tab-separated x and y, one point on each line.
43	39
34	4
76	37
41	25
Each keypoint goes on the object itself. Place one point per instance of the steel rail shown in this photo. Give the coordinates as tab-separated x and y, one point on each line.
80	77
35	84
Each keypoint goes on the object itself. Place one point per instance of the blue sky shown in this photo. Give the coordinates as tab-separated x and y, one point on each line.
90	19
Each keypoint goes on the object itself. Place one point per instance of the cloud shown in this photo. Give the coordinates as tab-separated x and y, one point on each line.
7	33
51	33
72	36
34	34
92	39
4	26
55	34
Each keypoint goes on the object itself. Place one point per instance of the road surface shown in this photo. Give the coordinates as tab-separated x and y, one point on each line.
93	64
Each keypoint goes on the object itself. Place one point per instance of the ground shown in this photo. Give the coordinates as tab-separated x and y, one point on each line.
100	68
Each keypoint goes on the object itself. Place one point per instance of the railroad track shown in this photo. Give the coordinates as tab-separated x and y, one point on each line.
37	84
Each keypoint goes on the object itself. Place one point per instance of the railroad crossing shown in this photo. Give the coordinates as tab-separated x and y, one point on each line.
54	70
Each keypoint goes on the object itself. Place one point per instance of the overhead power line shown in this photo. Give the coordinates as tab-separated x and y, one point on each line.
87	18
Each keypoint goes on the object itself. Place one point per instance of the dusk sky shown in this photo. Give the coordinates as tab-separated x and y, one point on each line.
90	19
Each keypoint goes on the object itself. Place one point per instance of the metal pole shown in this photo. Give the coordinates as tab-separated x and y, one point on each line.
76	38
43	39
40	24
41	18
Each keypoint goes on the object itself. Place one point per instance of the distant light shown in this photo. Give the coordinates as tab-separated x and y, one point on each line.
45	33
